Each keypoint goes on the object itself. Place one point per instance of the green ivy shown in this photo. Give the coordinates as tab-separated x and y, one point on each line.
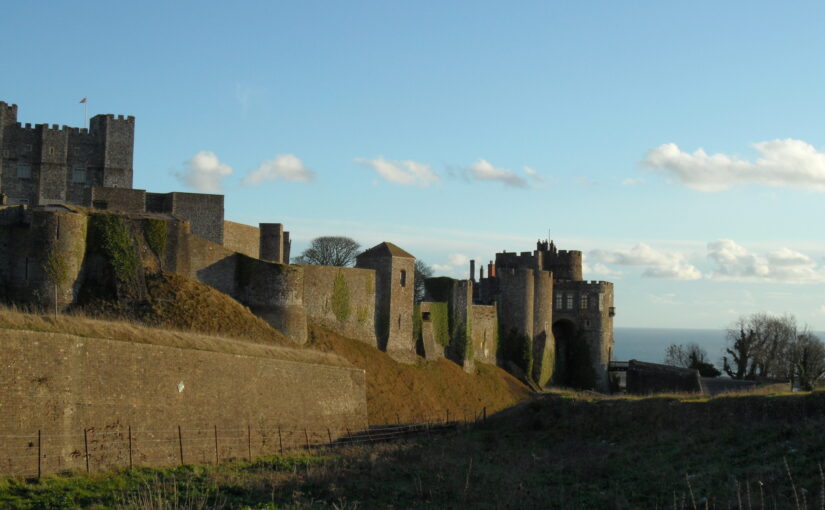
156	232
440	318
362	314
110	235
340	298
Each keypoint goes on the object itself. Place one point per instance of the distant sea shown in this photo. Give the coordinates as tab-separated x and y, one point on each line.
649	344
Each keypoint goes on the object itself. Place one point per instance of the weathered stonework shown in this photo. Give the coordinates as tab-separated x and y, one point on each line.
63	385
542	295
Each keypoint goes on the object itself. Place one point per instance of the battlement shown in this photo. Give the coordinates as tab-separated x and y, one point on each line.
8	110
110	116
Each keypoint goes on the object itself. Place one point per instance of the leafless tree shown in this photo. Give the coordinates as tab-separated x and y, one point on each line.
330	251
422	272
690	356
807	354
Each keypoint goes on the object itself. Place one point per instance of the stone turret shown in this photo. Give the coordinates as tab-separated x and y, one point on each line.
395	291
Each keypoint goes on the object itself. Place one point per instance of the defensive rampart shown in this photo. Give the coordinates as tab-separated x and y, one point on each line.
109	391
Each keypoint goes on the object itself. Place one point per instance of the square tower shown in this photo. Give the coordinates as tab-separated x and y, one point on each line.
394	294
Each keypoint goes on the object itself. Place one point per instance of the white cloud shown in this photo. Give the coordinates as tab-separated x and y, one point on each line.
458	259
735	262
532	173
657	264
781	163
406	173
284	166
599	270
204	172
482	170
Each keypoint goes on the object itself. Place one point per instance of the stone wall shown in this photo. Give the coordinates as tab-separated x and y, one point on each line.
242	238
485	333
63	385
342	299
644	378
116	199
203	211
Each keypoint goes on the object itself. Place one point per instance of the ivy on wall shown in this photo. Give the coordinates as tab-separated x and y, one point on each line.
110	235
156	232
340	298
440	318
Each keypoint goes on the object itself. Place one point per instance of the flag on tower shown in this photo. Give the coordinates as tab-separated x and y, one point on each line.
84	100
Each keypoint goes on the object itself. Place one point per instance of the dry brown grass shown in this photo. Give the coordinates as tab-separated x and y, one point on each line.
177	302
425	391
85	327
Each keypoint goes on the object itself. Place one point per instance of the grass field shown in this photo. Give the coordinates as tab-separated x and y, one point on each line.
560	450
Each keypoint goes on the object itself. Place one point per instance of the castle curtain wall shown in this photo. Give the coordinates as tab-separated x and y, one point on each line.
63	385
342	299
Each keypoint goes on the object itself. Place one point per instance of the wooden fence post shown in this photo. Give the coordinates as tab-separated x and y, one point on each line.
249	441
86	448
280	441
39	455
217	457
130	446
329	434
306	436
180	444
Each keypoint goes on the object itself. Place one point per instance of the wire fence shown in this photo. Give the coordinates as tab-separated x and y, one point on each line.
120	446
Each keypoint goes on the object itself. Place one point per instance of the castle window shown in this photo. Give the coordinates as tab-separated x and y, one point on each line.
583	302
570	301
403	278
79	175
425	316
24	171
51	151
559	301
587	323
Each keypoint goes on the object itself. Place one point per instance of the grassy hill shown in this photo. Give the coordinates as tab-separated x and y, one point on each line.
180	303
426	391
566	451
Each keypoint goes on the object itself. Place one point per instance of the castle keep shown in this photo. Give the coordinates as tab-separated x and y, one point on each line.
532	312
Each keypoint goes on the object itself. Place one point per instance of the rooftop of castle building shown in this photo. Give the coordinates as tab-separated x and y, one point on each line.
386	249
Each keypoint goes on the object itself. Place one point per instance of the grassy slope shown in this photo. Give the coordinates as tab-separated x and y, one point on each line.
177	302
558	451
425	391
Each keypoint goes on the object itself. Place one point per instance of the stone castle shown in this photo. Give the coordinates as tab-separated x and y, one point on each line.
57	183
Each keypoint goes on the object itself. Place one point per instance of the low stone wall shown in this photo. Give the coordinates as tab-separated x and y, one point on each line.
342	299
242	238
117	400
485	333
644	378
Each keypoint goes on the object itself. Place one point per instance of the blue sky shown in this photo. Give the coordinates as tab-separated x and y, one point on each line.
679	145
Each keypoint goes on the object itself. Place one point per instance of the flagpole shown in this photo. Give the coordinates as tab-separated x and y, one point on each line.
85	114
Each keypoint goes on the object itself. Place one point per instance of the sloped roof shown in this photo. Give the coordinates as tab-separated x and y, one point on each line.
385	249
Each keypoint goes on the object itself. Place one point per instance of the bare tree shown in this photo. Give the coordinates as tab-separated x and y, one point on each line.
690	356
807	354
422	272
330	251
759	345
